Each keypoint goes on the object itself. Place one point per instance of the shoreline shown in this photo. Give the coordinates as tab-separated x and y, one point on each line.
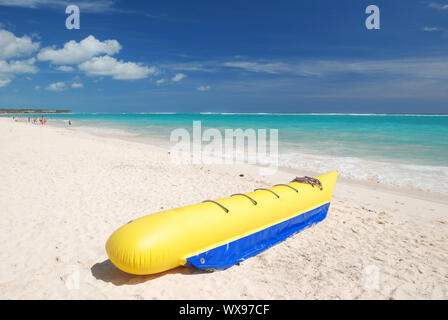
287	114
162	146
399	190
64	192
379	186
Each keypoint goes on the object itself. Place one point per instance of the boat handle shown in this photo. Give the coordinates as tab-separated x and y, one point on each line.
269	191
245	195
286	185
224	208
308	180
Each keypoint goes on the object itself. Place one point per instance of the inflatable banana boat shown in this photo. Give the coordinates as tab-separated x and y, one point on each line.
218	234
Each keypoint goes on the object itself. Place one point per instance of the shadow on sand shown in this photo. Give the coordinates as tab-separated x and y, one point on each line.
107	272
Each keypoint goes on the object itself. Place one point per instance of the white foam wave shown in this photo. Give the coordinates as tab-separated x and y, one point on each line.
330	114
104	131
418	177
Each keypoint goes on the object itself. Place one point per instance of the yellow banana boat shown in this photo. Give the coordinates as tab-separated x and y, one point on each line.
218	234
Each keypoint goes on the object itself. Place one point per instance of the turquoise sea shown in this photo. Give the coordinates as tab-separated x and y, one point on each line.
399	150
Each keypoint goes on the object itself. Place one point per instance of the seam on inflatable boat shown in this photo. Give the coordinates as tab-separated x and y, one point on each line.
232	252
248	233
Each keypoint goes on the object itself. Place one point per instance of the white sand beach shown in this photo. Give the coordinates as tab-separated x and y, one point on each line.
62	194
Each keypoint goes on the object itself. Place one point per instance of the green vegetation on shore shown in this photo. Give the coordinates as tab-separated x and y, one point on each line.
33	111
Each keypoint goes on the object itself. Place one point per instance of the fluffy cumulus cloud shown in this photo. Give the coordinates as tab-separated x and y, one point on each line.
178	77
203	88
65	68
57	86
13	47
9	69
61	86
108	66
77	85
160	81
78	52
90	55
4	82
18	66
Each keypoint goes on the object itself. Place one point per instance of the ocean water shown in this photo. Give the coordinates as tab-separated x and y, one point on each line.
399	150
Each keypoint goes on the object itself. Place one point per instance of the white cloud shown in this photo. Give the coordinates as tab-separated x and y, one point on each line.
37	88
57	86
77	85
266	67
18	66
203	88
108	66
97	6
430	29
79	52
160	81
91	55
4	82
178	77
12	46
419	67
438	6
191	66
65	68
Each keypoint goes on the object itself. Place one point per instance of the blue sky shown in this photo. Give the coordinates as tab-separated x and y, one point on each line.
226	56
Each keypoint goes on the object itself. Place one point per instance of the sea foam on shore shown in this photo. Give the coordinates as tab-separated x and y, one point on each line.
402	151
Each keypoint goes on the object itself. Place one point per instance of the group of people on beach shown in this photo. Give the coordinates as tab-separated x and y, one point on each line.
42	120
